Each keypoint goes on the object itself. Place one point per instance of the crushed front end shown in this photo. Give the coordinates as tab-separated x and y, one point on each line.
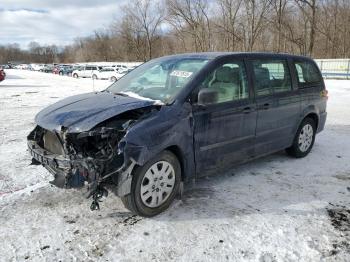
75	159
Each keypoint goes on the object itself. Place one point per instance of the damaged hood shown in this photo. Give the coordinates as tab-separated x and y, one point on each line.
82	112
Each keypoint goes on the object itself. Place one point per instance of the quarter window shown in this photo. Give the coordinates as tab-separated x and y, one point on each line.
271	77
230	81
307	73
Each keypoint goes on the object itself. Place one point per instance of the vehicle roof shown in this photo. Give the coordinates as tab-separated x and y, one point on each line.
213	55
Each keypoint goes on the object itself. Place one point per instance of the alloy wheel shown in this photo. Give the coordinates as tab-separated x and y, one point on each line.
305	137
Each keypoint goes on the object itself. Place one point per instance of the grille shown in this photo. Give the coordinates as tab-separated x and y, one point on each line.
52	143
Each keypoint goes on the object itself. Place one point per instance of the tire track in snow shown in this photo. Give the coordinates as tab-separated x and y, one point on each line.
23	190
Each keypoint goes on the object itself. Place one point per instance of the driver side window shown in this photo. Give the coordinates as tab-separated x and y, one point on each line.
229	81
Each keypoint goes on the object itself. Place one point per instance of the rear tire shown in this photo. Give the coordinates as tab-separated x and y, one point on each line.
94	77
113	79
304	139
75	75
154	185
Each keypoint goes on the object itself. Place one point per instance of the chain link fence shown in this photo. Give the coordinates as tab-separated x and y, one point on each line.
334	68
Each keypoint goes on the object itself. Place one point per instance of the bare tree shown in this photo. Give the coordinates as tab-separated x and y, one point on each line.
227	23
279	23
308	9
191	18
255	21
145	17
344	29
133	43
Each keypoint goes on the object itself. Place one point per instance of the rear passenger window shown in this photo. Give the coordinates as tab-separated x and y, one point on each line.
271	77
307	73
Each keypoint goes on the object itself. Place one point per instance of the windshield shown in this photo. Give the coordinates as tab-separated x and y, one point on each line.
160	79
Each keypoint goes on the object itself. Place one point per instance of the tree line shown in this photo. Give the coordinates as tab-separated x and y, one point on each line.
149	29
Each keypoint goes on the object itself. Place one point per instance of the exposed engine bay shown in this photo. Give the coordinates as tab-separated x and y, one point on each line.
95	158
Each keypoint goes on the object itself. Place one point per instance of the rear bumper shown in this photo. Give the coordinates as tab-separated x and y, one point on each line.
322	122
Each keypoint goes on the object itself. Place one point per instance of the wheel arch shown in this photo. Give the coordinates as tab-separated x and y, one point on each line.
312	112
176	150
292	150
309	113
314	117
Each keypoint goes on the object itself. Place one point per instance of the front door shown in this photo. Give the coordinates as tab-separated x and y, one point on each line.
83	72
224	130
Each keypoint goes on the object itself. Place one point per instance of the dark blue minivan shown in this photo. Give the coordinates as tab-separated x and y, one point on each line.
177	118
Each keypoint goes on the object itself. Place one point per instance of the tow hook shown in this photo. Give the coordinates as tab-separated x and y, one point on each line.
96	197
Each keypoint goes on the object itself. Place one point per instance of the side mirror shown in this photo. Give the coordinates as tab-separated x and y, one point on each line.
207	96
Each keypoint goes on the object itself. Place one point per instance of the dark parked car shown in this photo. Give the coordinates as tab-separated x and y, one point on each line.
47	69
5	66
55	70
2	74
63	70
177	118
66	70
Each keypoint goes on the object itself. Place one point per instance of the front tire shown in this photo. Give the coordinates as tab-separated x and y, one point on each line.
94	77
154	185
75	75
113	79
304	139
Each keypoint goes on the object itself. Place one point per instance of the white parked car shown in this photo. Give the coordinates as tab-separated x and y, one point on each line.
111	73
120	67
23	67
37	67
85	71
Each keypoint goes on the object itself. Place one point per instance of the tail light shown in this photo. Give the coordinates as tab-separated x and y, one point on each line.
324	93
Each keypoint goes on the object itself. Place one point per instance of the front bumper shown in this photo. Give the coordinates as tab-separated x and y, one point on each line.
47	158
72	173
67	173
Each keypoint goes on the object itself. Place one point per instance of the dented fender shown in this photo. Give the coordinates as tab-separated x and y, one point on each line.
170	129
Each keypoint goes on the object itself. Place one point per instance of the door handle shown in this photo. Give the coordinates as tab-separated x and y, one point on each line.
200	107
265	106
247	110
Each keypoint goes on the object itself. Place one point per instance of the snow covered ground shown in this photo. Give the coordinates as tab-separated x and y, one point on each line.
274	209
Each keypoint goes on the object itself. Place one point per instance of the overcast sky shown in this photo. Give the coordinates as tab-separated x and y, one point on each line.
54	22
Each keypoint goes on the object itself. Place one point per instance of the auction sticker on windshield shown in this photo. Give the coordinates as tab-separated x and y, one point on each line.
178	73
